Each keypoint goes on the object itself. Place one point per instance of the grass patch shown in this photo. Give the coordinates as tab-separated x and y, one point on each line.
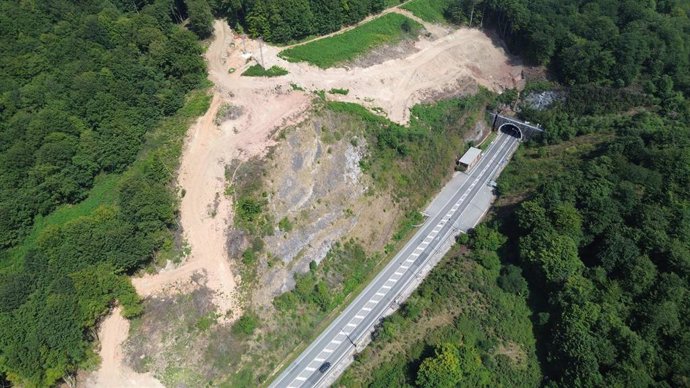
285	225
337	49
412	219
205	322
431	11
295	86
258	71
246	324
339	91
488	140
391	3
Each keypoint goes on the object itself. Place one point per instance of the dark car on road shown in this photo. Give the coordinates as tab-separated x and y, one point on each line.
324	367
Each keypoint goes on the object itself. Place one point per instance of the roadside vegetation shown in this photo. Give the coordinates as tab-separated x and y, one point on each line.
348	45
89	144
258	71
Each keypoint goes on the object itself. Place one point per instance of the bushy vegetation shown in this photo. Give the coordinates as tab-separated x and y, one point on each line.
340	48
339	91
258	71
246	324
282	21
85	92
325	286
250	200
285	225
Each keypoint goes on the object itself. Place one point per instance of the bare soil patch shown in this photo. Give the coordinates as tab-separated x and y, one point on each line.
385	53
513	351
113	372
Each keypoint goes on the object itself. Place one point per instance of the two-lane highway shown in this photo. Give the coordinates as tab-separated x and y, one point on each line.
355	322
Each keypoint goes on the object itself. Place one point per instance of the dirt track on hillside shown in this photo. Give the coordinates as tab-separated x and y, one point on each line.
452	64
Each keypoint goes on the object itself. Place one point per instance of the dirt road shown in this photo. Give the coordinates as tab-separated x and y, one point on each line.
455	62
112	373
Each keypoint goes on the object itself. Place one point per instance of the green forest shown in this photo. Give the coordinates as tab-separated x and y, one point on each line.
94	101
592	229
283	21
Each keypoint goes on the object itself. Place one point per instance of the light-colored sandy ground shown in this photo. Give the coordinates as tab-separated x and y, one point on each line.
452	62
112	373
443	65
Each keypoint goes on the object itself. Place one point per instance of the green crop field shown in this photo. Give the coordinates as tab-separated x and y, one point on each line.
428	10
343	47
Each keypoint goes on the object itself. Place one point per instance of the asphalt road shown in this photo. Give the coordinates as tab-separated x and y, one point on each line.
355	322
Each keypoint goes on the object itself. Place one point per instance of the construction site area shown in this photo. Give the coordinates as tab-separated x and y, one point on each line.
307	165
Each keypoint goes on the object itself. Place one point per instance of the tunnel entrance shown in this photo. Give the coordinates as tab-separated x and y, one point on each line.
512	130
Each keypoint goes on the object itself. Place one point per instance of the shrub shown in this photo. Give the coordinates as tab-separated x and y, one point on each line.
285	225
249	257
246	324
258	71
339	91
511	280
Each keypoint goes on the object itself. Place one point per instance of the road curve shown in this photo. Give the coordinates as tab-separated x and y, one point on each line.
355	322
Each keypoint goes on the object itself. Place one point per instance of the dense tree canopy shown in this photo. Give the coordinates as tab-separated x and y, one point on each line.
608	238
200	17
281	21
81	87
617	274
